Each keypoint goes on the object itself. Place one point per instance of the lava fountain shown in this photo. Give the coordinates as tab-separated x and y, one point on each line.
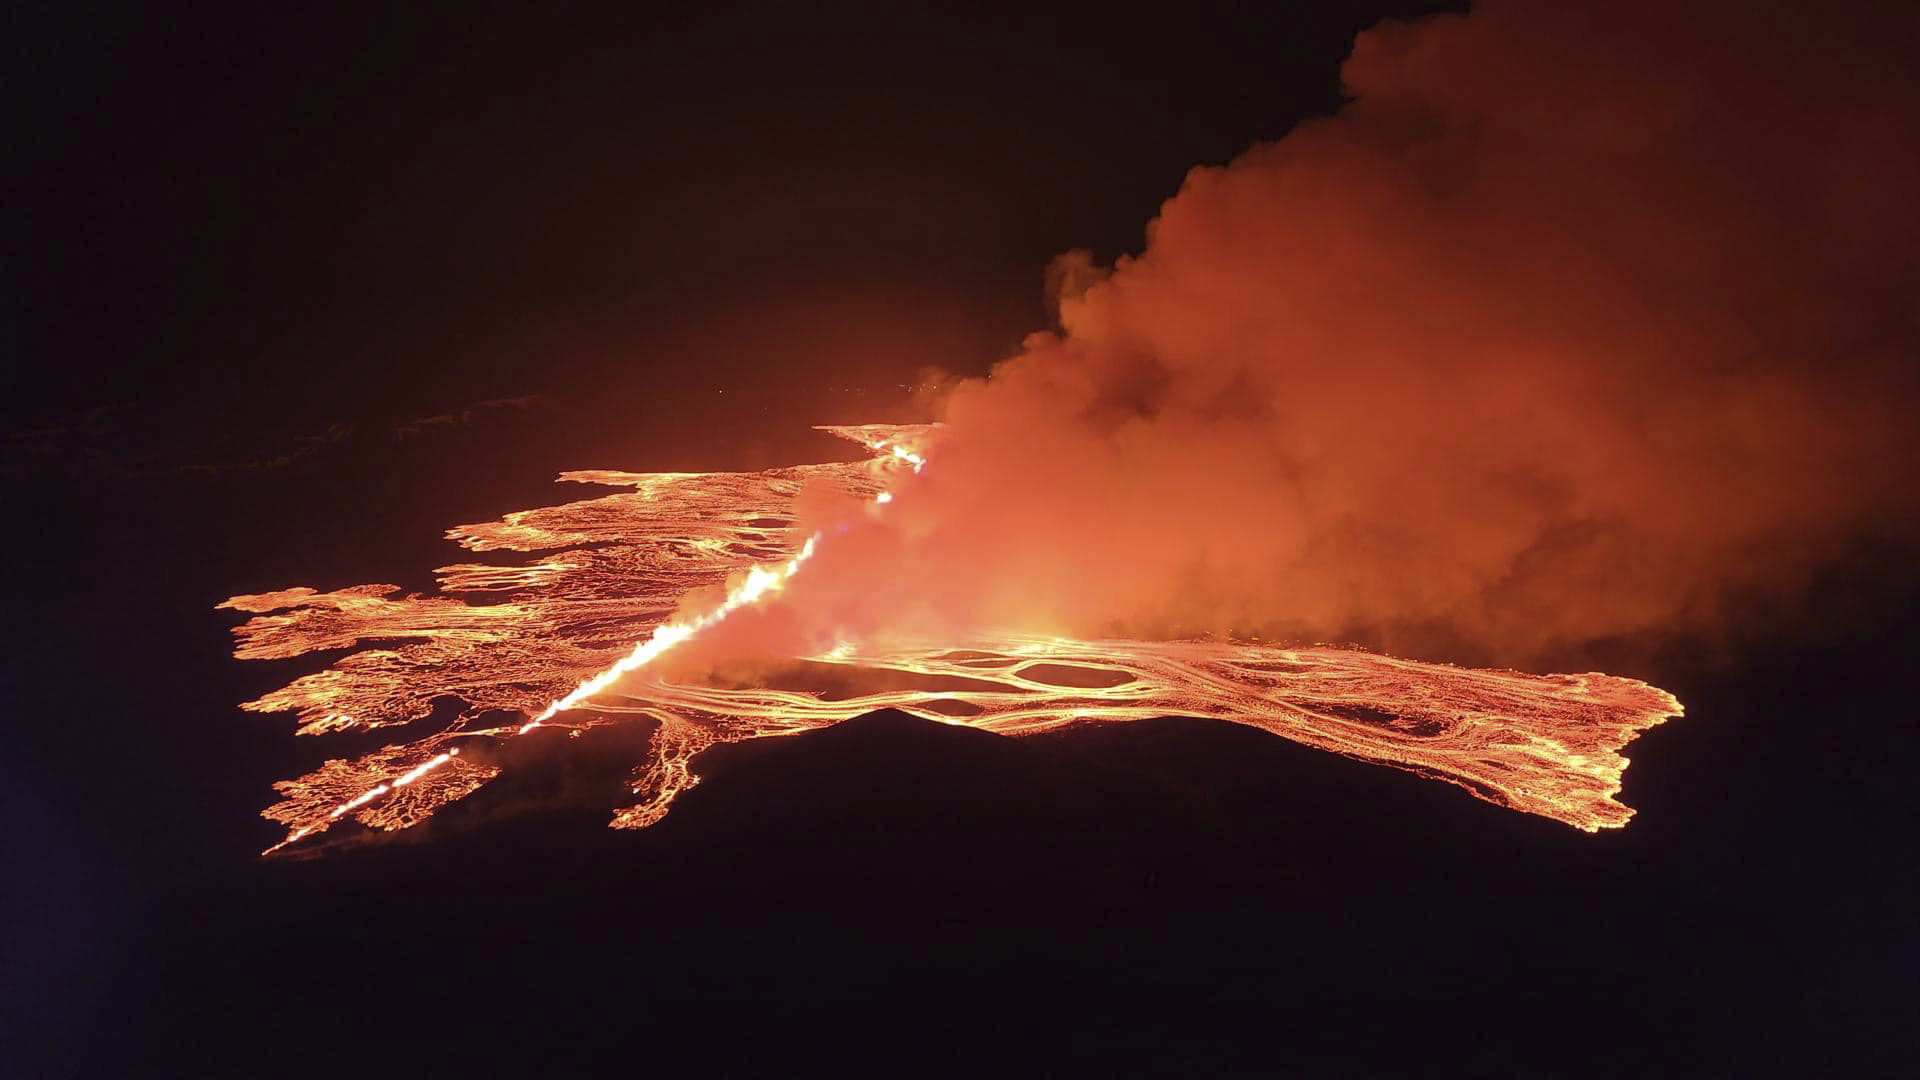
549	642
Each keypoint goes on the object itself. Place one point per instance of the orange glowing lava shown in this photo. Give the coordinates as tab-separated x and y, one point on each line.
551	642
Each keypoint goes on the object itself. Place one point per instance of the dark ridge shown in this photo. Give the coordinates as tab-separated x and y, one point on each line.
897	728
1424	727
972	654
840	682
1075	675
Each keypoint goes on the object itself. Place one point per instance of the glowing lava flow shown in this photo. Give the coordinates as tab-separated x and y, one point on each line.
556	638
759	582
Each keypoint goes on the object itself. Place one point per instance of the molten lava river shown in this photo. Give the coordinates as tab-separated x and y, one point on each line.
566	639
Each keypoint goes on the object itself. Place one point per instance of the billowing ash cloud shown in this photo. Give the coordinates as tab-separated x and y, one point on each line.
1577	320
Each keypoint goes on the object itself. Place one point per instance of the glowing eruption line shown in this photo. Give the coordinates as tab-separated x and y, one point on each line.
427	768
758	583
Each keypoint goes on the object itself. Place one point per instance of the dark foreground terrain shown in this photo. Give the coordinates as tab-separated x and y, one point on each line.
898	896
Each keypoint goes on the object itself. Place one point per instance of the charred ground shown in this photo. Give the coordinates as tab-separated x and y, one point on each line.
1171	894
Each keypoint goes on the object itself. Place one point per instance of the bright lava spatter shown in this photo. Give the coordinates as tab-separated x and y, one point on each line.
551	642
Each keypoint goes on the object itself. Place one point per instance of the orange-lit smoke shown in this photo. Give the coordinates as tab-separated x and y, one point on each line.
1576	320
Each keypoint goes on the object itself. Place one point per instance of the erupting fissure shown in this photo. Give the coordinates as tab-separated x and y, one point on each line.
1546	745
758	583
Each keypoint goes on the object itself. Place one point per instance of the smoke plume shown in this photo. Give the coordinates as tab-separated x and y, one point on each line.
1577	320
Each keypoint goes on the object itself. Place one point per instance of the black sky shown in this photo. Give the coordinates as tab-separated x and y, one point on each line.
298	216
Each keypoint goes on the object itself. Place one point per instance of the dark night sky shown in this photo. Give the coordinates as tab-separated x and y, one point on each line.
316	219
236	237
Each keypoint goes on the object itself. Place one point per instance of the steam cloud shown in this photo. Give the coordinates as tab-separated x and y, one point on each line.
1578	319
